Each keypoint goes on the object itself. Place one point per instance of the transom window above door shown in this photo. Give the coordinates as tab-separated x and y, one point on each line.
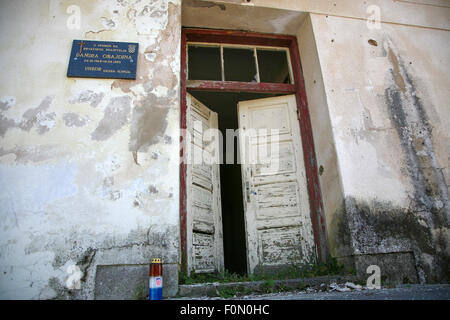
224	62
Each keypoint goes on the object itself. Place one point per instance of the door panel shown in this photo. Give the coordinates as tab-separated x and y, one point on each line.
204	214
277	214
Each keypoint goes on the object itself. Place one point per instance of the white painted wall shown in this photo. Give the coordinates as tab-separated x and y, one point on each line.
329	176
79	178
356	75
388	111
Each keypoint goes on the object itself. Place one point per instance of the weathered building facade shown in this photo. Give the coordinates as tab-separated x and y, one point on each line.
91	182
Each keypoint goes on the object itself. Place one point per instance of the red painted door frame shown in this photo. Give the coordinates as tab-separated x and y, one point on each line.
298	88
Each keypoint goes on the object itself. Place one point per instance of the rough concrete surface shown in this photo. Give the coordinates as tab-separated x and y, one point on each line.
349	292
214	289
410	292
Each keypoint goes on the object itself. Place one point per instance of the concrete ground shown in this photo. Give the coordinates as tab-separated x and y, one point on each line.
406	292
403	292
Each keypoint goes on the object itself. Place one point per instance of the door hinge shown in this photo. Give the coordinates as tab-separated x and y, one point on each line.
298	114
247	188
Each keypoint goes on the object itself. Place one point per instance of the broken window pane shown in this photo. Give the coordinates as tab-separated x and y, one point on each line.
273	66
204	63
240	65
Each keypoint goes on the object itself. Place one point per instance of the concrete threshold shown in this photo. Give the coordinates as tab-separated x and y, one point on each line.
230	289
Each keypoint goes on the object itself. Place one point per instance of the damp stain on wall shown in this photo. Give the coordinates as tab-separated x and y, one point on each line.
148	123
115	117
378	227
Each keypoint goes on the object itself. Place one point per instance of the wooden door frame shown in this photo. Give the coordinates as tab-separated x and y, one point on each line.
298	88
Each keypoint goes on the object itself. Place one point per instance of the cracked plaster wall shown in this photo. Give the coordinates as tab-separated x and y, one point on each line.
88	167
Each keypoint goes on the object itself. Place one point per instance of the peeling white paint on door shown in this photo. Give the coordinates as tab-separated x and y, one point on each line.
204	213
277	214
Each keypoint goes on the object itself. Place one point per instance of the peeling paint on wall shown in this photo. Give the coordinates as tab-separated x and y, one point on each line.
93	98
115	117
7	102
74	120
151	17
74	195
148	123
34	154
36	117
32	118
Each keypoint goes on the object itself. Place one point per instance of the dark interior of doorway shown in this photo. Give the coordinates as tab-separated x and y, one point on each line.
225	104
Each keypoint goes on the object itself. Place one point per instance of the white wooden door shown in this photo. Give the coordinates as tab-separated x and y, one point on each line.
277	213
204	213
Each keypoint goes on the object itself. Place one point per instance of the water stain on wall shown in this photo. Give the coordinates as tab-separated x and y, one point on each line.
379	227
148	123
115	117
375	228
203	4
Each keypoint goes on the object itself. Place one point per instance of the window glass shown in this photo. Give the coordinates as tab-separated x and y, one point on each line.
204	63
240	64
273	66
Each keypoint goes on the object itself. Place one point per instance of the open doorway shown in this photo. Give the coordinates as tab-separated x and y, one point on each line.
233	224
247	218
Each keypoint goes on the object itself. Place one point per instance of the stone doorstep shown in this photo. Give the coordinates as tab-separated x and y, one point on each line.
212	289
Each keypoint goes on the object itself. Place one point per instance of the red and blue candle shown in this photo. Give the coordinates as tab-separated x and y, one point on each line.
156	280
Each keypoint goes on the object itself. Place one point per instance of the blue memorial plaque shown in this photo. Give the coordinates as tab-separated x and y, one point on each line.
103	59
